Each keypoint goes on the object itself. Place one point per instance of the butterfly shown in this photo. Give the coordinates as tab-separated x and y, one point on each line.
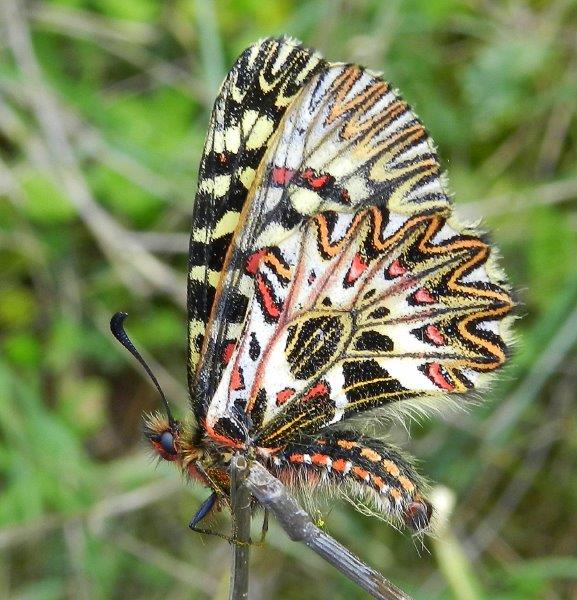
328	283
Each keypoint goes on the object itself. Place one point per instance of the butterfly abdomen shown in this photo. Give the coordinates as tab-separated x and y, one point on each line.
363	470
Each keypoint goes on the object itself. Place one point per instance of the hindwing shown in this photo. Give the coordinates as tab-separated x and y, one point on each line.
357	311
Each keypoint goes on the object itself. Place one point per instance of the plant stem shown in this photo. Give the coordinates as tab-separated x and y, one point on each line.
241	514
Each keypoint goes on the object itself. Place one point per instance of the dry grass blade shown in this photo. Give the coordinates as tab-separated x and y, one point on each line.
111	236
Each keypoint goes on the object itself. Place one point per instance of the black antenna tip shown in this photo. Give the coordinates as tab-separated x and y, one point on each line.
117	325
117	329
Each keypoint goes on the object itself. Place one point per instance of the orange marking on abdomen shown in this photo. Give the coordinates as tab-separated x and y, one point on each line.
320	459
346	444
406	483
339	465
370	454
360	473
296	458
391	468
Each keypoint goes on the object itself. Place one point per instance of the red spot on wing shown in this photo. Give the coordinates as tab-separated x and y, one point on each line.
345	197
423	296
269	303
227	352
434	335
219	437
253	261
358	266
396	269
237	379
316	182
281	175
320	389
439	376
284	395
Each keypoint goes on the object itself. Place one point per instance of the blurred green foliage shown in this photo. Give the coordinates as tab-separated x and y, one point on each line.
103	112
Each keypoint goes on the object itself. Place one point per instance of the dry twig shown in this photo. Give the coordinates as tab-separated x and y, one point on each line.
240	504
273	496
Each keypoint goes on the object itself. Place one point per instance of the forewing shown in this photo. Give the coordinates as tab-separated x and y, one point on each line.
249	107
346	142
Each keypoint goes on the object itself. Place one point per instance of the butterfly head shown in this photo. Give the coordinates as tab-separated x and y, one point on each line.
163	435
172	440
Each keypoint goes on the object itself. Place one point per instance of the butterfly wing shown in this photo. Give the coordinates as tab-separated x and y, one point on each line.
347	141
250	105
361	311
360	293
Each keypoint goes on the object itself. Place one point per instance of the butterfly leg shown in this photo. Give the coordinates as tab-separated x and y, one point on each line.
264	529
203	510
201	513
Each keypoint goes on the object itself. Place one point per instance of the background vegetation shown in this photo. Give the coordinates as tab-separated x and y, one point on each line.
103	111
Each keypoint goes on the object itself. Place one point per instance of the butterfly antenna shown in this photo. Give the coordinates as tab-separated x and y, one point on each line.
117	328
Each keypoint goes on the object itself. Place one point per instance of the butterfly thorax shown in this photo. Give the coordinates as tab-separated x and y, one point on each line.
183	443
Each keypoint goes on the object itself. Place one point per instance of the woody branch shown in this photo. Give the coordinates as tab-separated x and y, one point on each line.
272	495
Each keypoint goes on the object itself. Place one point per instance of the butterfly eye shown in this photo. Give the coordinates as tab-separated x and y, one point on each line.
167	442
